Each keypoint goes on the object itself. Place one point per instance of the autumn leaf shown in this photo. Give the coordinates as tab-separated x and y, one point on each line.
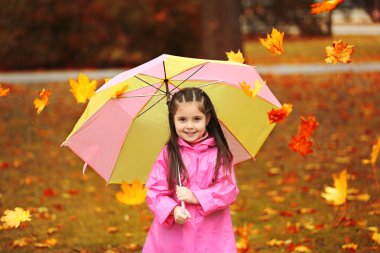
278	115
83	89
275	242
40	103
326	5
20	243
375	152
119	93
13	219
48	243
301	144
3	92
308	126
274	42
235	57
302	248
337	195
339	52
350	246
132	194
251	92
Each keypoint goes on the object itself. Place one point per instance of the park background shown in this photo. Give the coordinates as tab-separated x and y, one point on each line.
43	43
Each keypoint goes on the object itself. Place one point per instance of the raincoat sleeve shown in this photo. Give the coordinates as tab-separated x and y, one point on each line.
158	199
219	195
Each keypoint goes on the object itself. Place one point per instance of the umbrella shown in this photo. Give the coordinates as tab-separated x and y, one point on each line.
120	137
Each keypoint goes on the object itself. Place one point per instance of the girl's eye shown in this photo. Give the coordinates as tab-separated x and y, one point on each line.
181	119
198	119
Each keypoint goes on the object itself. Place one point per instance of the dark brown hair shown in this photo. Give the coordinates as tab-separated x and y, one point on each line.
224	155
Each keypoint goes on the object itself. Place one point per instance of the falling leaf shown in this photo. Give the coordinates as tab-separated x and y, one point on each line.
308	126
278	115
251	92
132	194
235	57
120	92
40	103
301	145
326	5
274	42
83	89
376	237
339	52
12	219
3	92
337	195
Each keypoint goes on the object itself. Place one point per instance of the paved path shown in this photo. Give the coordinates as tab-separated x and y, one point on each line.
27	77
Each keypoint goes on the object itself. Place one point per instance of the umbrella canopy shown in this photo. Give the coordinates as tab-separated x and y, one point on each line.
121	137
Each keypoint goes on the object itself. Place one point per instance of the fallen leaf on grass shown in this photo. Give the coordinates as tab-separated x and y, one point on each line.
274	42
112	230
339	52
20	243
13	218
48	243
350	246
235	57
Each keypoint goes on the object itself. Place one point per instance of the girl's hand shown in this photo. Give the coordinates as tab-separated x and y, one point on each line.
184	194
181	217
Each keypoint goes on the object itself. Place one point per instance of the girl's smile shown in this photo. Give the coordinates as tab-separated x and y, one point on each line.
190	123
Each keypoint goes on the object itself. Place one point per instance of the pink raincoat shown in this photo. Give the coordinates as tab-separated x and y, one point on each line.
210	228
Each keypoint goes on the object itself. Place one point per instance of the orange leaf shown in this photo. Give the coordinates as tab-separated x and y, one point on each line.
48	243
251	92
119	93
40	103
4	92
339	52
278	115
20	243
235	57
326	5
301	145
274	42
375	152
308	126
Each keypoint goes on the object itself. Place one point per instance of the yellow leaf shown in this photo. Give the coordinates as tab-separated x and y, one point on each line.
339	52
235	57
112	230
119	93
4	92
361	197
350	246
302	249
275	242
40	103
251	92
132	194
274	42
83	89
48	243
20	243
12	219
376	237
337	195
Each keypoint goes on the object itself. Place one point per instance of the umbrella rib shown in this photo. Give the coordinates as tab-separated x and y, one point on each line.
144	95
176	87
150	107
149	84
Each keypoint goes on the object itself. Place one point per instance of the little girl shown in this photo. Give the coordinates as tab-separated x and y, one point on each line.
197	149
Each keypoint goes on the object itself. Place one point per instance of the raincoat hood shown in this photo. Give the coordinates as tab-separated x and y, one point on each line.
200	146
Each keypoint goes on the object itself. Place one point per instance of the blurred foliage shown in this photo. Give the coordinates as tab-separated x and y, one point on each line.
82	33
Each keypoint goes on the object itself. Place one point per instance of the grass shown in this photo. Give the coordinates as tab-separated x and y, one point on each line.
47	179
305	50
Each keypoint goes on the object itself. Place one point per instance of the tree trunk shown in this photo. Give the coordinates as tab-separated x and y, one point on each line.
220	28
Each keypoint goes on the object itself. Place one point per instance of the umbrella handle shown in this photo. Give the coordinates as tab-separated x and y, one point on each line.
180	185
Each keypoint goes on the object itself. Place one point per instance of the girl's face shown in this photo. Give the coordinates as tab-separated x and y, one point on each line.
190	123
